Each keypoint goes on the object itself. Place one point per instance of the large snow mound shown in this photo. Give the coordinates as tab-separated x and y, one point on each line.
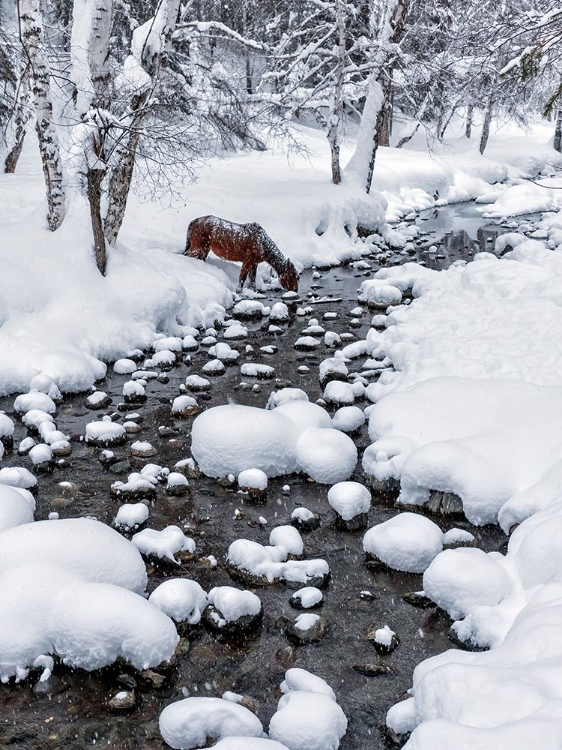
294	436
73	588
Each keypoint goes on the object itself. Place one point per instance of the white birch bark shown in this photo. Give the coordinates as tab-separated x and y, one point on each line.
335	119
91	31
32	40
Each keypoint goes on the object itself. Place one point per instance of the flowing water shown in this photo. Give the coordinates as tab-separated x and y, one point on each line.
76	714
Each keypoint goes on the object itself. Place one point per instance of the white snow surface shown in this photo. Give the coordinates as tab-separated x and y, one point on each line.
271	562
71	587
349	499
164	544
181	599
190	722
308	721
232	603
407	542
297	435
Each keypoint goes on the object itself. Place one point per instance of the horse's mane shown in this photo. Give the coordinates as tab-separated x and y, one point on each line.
271	252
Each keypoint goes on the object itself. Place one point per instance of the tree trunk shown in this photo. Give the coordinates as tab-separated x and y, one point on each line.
94	180
384	132
22	115
362	164
122	175
32	41
486	124
120	184
335	119
469	116
558	131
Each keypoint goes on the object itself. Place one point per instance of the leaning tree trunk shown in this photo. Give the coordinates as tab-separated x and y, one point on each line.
558	131
94	179
154	59
486	124
22	115
361	166
120	183
469	116
385	130
335	121
33	43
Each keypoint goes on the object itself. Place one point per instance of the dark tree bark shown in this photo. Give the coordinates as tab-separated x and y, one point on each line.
558	131
94	181
469	116
486	124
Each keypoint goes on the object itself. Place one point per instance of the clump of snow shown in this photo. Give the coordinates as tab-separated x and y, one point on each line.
349	499
339	393
163	544
131	515
328	456
270	563
253	479
16	507
184	406
124	366
308	720
307	597
348	419
231	603
407	542
18	477
191	722
34	400
256	370
459	579
288	538
71	588
379	293
229	439
197	383
284	395
6	426
181	599
105	432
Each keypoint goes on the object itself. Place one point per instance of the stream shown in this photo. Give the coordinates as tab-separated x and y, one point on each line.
75	714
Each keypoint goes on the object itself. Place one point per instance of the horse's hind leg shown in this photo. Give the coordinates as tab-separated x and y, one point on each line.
252	275
248	269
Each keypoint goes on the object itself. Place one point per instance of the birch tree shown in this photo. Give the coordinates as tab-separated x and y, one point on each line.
388	19
32	38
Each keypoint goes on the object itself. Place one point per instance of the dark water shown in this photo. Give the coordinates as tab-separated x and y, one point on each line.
78	717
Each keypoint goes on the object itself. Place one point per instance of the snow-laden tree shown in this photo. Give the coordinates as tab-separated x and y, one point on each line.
387	22
32	39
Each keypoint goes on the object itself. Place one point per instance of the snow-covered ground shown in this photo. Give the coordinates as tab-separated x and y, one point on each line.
471	407
59	317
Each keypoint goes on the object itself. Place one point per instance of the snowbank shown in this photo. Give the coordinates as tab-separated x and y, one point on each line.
74	588
473	404
51	293
512	604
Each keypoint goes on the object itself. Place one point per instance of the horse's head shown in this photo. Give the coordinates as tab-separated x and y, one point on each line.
289	277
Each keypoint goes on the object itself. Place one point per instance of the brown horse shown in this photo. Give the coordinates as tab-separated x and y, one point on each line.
248	244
